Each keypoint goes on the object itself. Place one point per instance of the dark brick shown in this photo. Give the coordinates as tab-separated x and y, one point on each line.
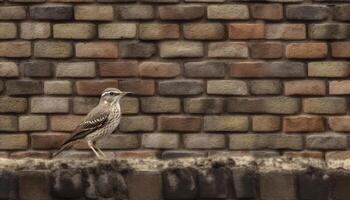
8	185
174	154
215	183
181	12
38	69
244	183
104	185
307	12
51	12
342	12
34	184
313	186
339	189
277	185
2	86
180	87
266	50
180	124
329	31
145	185
204	105
120	189
137	50
180	184
13	105
205	69
67	184
23	87
139	87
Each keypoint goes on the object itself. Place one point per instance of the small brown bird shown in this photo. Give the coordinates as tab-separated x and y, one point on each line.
99	122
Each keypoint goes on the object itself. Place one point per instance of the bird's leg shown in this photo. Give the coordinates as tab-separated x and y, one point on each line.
91	145
99	150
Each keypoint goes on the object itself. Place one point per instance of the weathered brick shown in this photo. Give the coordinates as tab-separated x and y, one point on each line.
65	123
174	154
204	105
34	184
326	141
118	69
94	12
176	49
8	30
227	87
67	183
68	1
13	141
134	12
185	187
49	105
155	31
58	87
228	50
23	87
117	31
265	87
339	87
204	31
304	154
205	69
51	12
339	124
206	1
8	182
303	123
75	69
137	154
153	69
15	49
121	141
307	12
53	49
74	31
329	31
37	68
137	50
245	182
139	87
96	50
285	31
267	11
204	141
160	141
145	185
246	31
305	87
94	87
160	1
328	69
12	12
266	50
340	49
82	105
277	186
30	154
325	105
32	123
129	105
8	123
338	185
35	30
13	105
341	12
179	124
43	141
311	50
160	105
266	123
215	183
225	123
180	87
137	124
227	11
181	12
9	69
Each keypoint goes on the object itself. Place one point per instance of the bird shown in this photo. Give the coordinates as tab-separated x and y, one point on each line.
100	122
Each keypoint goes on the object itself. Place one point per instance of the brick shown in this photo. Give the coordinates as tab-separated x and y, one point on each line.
271	105
2	86
340	49
215	183
65	123
34	184
180	87
134	12
303	123
94	87
304	154
83	105
204	141
69	1
155	31
67	183
13	141
137	50
326	141
8	30
137	154
44	141
227	11
129	105
12	13
305	87
122	141
137	124
178	49
339	87
57	87
8	123
205	69
8	182
160	141
32	123
307	12
204	31
13	105
246	31
118	69
181	12
35	30
15	49
9	69
23	87
265	141
49	105
277	185
341	12
160	105
266	123
30	154
329	31
328	69
138	87
51	12
225	123
160	1
338	185
51	49
271	12
339	124
74	31
75	70
245	182
174	154
117	31
266	50
204	105
94	12
37	69
185	187
145	185
96	50
311	50
179	124
227	50
325	105
261	87
285	31
153	69
227	87
206	1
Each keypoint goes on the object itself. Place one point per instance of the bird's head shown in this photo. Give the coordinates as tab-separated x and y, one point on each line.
112	95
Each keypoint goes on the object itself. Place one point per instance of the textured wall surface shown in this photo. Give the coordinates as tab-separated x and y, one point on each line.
269	77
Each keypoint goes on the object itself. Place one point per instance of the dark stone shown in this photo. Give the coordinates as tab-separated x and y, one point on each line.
23	87
38	69
136	49
277	185
182	154
307	12
180	184
91	189
329	31
104	185
181	87
340	186
120	188
2	86
34	184
8	185
313	186
205	69
244	183
342	12
68	184
215	183
51	12
145	185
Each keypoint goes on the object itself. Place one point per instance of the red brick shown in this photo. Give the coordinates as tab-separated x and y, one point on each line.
139	87
267	11
266	50
65	122
341	49
303	124
41	141
94	87
339	123
180	124
246	31
15	49
119	69
181	12
96	50
305	87
310	50
204	31
339	87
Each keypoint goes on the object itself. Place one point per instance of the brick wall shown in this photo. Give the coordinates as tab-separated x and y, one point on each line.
208	75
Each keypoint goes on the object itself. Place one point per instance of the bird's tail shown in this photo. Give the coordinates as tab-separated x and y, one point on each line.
63	147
